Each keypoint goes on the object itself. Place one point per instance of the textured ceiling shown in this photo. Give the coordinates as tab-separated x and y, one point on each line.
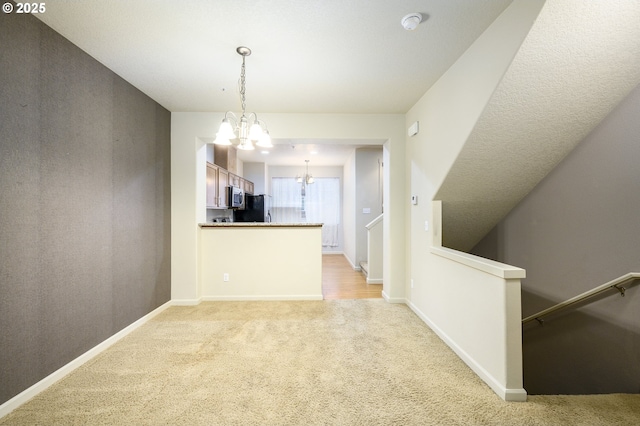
578	61
316	56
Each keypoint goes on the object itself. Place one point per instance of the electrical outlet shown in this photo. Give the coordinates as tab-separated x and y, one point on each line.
411	282
225	277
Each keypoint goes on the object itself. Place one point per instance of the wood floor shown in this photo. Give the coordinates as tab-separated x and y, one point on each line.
340	281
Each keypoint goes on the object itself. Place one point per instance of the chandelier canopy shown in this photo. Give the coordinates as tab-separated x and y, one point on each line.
248	128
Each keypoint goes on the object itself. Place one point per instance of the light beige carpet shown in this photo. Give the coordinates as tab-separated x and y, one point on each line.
342	362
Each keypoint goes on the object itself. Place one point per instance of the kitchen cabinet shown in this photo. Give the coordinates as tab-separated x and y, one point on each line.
212	186
234	180
248	186
218	179
223	183
217	182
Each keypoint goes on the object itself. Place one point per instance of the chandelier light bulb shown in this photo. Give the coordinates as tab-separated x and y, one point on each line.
226	130
265	140
219	140
255	132
247	145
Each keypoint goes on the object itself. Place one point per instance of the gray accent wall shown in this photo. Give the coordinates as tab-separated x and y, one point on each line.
579	228
84	203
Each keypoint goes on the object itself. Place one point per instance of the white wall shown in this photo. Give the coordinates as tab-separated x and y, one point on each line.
256	173
188	186
262	263
447	113
188	171
349	209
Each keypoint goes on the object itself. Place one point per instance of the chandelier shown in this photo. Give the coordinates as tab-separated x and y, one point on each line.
247	129
307	178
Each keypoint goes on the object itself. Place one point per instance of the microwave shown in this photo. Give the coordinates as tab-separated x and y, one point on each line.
236	197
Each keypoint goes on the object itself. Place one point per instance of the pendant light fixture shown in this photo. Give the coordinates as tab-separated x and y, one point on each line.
307	178
247	129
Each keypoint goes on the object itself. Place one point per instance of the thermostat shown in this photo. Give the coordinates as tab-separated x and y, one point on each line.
413	129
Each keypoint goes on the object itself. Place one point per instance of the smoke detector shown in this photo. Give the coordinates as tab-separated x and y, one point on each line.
411	21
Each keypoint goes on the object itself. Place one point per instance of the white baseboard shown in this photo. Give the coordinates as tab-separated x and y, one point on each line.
261	298
374	280
389	299
60	373
353	265
331	252
507	394
185	302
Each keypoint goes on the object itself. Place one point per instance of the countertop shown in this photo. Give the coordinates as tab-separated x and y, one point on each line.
258	225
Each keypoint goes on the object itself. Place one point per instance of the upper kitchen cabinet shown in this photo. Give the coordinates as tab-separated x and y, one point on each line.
248	186
223	183
234	180
212	184
240	182
217	182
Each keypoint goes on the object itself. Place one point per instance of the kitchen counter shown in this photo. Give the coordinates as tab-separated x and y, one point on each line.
259	225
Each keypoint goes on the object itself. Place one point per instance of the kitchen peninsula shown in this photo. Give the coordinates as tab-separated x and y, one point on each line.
260	261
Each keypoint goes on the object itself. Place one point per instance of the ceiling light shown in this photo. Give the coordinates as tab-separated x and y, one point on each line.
247	129
307	178
411	21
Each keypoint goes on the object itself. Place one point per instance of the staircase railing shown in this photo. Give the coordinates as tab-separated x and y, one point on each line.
619	284
374	250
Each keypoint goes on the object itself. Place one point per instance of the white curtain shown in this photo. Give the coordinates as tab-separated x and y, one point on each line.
286	201
322	204
319	202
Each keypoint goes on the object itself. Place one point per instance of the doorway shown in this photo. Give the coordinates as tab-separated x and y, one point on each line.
341	281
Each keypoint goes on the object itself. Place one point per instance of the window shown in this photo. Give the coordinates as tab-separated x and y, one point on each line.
318	202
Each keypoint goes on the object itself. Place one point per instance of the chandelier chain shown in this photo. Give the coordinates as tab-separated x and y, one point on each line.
242	87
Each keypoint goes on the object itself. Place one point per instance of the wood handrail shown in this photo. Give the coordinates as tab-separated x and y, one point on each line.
618	284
